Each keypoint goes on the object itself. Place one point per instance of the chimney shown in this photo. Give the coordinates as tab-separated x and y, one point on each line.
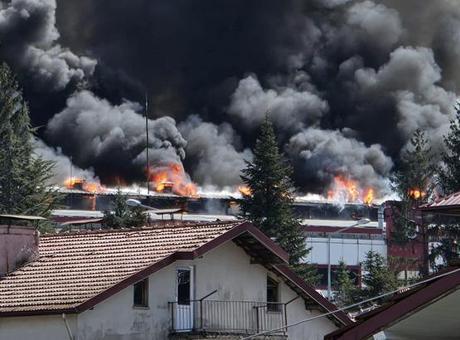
18	245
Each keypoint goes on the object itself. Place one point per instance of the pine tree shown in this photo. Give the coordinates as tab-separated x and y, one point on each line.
449	172
413	182
377	278
346	291
124	216
23	175
448	233
269	204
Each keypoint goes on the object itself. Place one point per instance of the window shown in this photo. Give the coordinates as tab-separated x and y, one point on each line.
141	296
272	295
183	286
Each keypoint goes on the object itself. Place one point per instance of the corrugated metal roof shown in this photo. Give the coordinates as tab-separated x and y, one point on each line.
450	201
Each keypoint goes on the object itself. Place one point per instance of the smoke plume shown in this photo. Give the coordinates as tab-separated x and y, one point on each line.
29	43
99	134
346	82
214	149
63	167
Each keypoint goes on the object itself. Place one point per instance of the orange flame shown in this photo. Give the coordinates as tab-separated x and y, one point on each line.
244	190
172	176
369	196
71	182
416	193
346	189
80	183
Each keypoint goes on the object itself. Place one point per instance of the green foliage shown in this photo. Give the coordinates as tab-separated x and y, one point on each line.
346	292
268	178
23	175
448	234
378	278
413	182
449	173
124	216
447	246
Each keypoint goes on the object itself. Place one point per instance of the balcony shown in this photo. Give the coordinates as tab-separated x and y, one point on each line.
211	317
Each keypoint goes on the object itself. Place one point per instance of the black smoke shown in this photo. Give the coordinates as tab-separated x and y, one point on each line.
345	82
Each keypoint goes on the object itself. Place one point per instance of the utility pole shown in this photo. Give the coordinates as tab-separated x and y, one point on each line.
147	141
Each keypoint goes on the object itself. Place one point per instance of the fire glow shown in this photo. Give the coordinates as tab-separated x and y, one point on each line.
348	190
244	190
173	178
80	183
416	193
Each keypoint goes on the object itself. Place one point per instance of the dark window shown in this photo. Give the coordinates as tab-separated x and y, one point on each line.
272	295
183	286
141	296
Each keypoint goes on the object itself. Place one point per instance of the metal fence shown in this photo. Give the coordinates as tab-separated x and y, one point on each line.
242	317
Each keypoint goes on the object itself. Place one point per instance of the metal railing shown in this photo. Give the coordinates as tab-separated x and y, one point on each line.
233	317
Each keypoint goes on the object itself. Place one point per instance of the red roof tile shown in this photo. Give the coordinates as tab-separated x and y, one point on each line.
74	268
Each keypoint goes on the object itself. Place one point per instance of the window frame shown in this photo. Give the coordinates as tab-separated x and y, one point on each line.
275	305
145	294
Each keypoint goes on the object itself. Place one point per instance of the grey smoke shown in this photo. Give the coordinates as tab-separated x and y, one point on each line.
374	22
329	153
216	150
28	36
411	77
94	131
63	166
346	82
289	108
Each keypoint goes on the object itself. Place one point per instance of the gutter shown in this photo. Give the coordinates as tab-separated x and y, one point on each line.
69	331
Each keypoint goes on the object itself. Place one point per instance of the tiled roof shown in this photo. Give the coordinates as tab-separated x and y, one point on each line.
74	268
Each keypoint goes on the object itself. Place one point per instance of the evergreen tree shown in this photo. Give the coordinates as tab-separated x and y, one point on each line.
124	216
446	230
346	291
413	182
269	204
23	175
449	173
378	278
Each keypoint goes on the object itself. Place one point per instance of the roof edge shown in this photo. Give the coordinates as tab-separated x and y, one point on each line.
399	310
310	291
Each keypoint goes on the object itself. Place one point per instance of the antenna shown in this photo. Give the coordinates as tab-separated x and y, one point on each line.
147	141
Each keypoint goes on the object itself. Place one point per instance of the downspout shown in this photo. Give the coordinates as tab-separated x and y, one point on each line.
69	331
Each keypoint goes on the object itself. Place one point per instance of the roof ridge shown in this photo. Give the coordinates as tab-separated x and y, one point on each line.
127	229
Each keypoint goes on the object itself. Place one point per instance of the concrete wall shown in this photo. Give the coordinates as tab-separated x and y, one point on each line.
226	269
36	327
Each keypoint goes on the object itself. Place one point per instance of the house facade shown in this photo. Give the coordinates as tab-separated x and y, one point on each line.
224	280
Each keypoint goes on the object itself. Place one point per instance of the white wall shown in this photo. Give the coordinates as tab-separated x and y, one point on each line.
36	327
227	269
351	251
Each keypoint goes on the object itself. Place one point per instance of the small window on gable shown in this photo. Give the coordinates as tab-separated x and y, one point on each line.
141	296
273	299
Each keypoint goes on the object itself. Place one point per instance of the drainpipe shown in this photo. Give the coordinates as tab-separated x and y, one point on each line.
69	331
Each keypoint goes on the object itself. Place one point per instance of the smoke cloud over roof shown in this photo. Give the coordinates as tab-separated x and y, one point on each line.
346	82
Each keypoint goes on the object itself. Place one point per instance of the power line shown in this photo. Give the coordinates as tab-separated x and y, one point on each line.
350	306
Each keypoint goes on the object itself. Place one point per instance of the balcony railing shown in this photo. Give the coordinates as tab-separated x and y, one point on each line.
232	317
